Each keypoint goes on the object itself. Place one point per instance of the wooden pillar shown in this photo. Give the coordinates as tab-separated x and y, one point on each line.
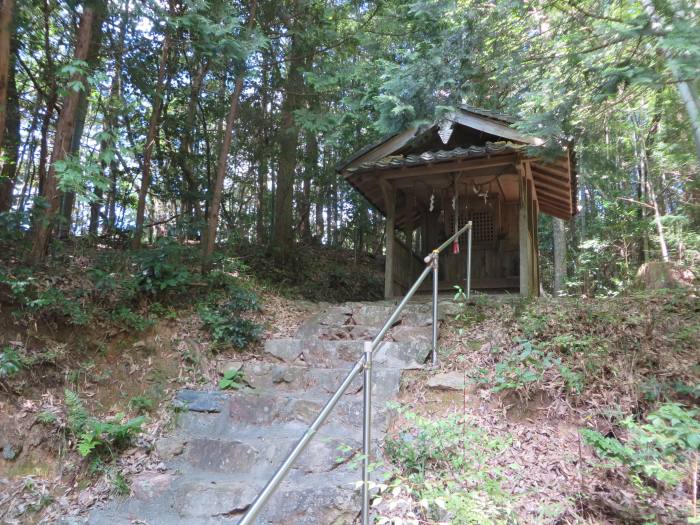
524	238
390	205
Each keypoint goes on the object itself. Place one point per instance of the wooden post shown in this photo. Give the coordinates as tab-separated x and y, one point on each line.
524	237
390	204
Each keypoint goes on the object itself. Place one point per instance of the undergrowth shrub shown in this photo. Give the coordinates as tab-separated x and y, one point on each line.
439	468
10	362
53	303
95	436
656	451
126	317
163	268
225	321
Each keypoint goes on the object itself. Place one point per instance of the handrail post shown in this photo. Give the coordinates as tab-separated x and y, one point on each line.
435	262
469	261
367	430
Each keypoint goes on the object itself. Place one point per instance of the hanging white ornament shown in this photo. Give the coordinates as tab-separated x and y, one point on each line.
445	130
432	202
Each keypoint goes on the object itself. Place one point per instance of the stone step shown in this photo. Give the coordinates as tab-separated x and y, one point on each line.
319	353
318	499
268	413
283	378
261	456
398	333
371	316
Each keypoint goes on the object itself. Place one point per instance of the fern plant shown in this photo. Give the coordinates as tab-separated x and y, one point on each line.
94	435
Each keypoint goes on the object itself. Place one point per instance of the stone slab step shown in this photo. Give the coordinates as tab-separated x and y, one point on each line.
333	332
322	499
371	316
261	457
319	353
283	378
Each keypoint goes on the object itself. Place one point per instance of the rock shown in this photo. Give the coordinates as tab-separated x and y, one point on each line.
447	381
139	344
658	275
148	485
170	447
227	366
10	451
196	401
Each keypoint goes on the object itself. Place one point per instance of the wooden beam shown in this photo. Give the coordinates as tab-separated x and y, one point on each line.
445	167
493	128
384	149
555	212
554	173
553	205
554	181
553	192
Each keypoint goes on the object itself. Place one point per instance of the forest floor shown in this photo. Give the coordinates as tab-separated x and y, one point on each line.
495	435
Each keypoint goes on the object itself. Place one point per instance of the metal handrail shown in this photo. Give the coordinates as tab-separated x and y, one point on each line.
364	364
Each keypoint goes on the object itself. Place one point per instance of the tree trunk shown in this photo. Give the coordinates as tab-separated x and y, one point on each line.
191	197
222	165
5	56
559	254
310	170
68	198
153	122
288	138
65	127
11	126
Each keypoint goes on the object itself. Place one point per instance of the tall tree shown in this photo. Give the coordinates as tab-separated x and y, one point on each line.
65	128
5	36
151	135
9	147
222	164
288	134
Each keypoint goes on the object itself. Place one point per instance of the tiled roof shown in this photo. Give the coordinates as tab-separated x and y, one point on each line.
431	157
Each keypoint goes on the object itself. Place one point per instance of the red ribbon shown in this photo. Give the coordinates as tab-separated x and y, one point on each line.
455	247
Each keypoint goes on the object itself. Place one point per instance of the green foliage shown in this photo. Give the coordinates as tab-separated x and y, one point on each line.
119	484
520	367
142	404
10	362
474	310
231	380
224	321
95	436
452	451
226	326
126	317
162	268
54	304
655	450
46	418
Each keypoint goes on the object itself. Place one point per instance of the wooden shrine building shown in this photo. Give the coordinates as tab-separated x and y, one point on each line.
470	166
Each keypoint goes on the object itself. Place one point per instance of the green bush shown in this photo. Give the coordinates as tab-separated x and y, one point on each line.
95	436
224	320
53	303
10	362
163	268
654	451
227	327
126	317
231	380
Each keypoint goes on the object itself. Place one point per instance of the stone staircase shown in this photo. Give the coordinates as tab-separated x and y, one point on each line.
227	445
